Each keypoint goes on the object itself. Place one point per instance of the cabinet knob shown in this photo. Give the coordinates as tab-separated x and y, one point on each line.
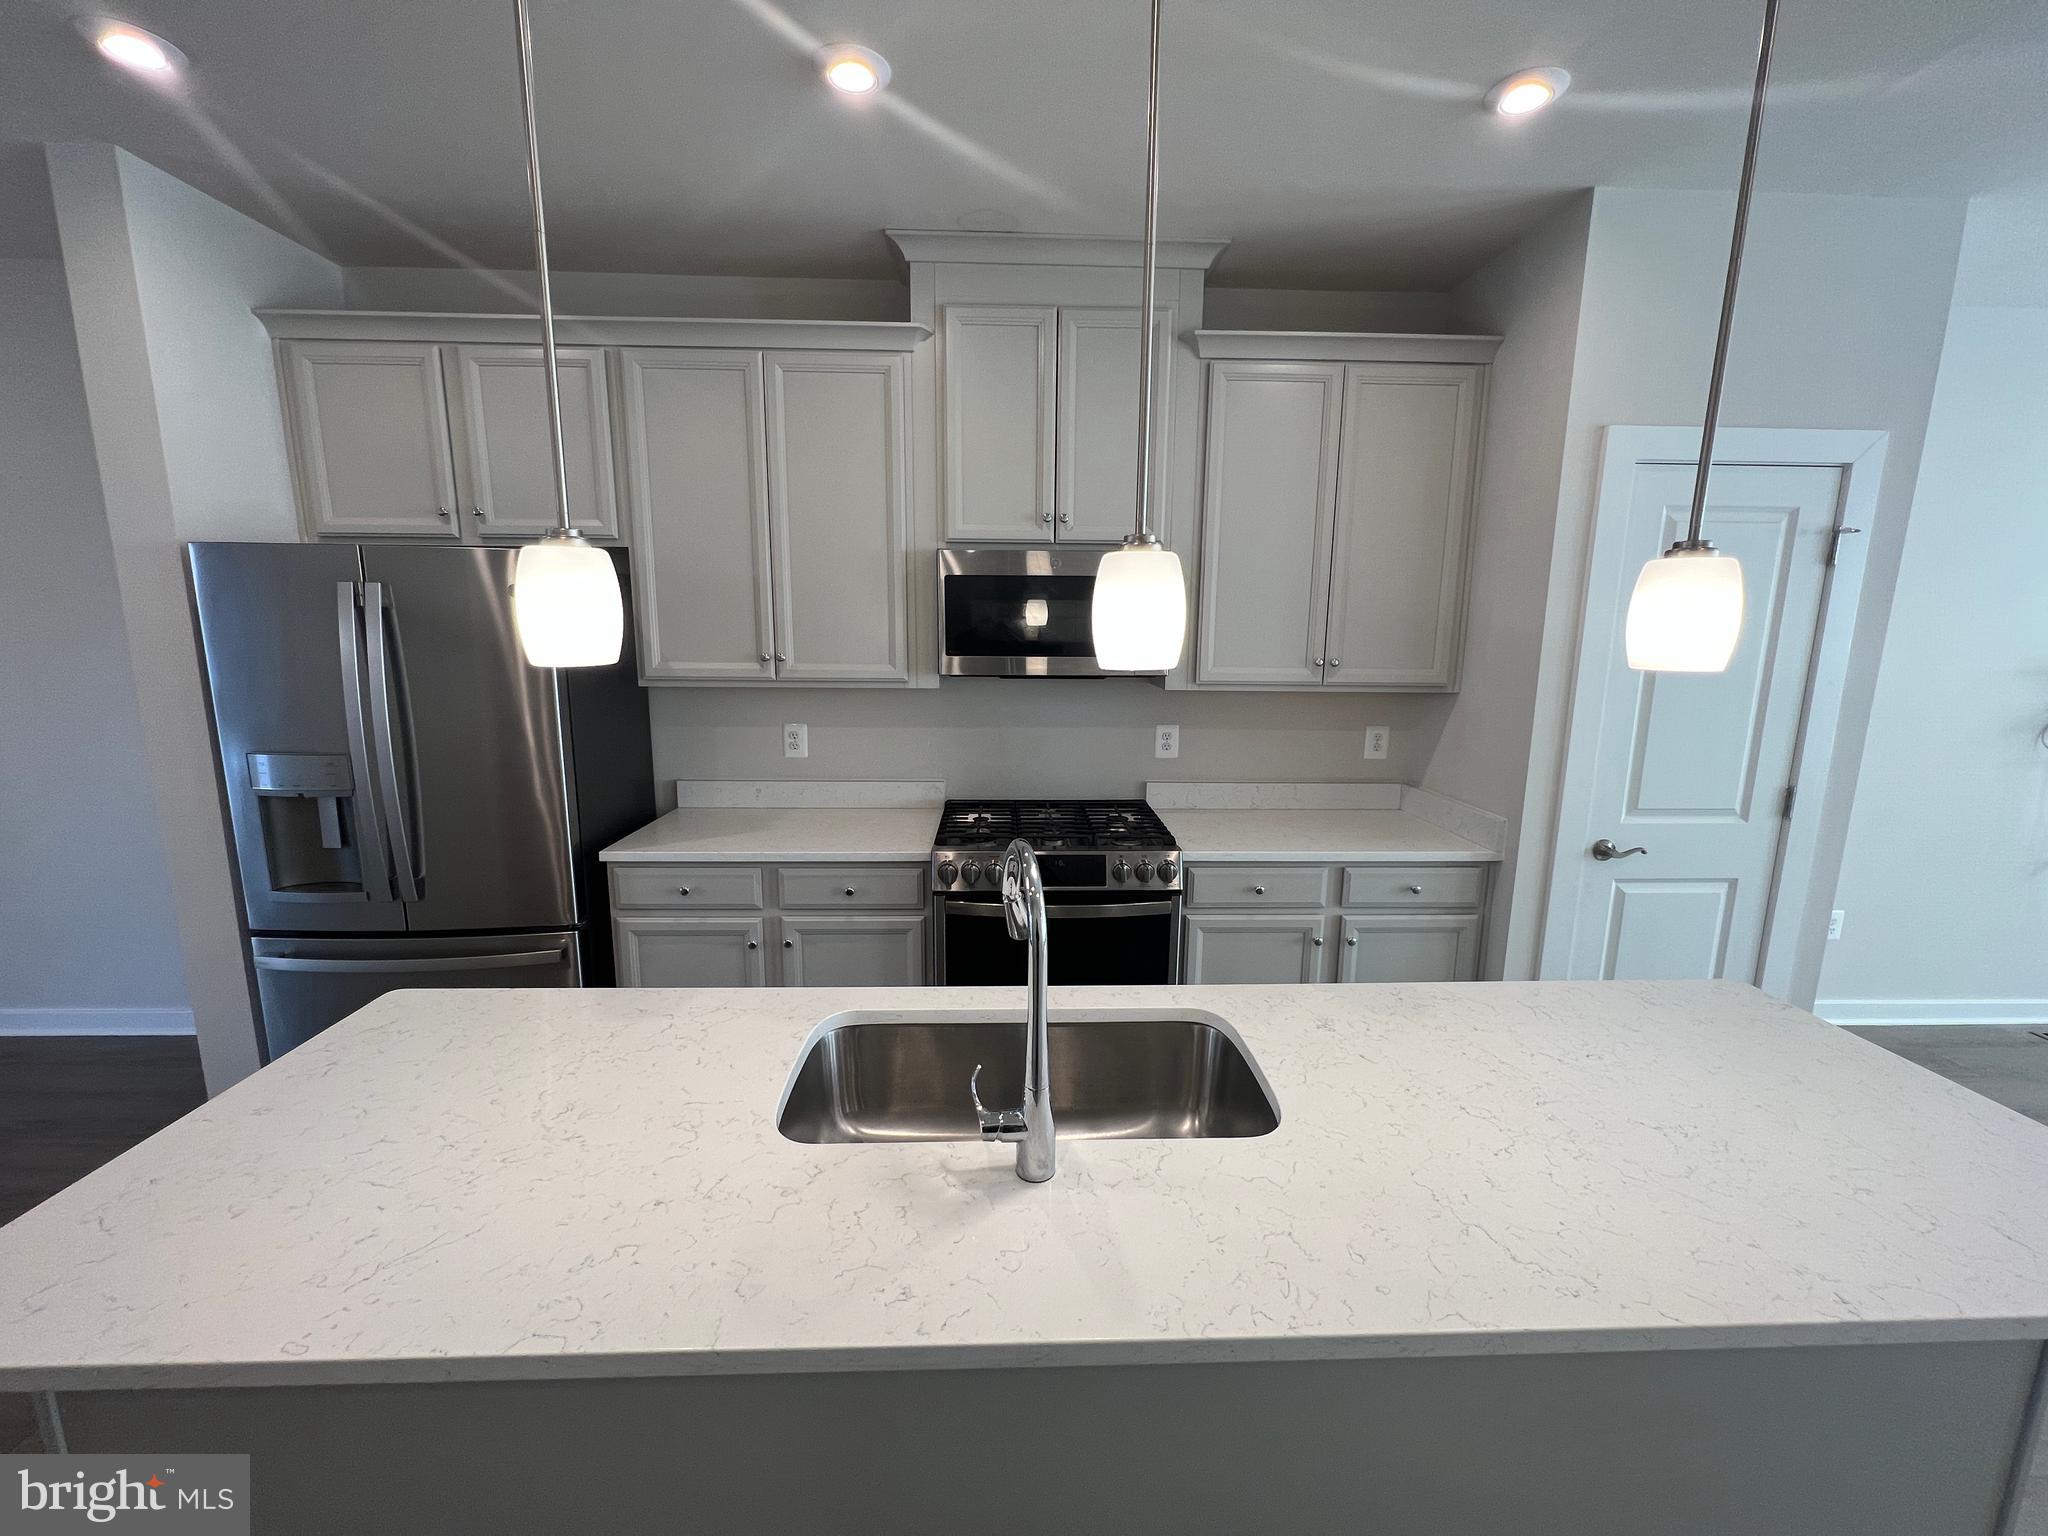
682	890
1046	517
789	943
849	890
1318	661
1335	662
781	656
1317	942
753	944
1351	941
478	514
443	513
1258	890
766	657
1414	890
1066	517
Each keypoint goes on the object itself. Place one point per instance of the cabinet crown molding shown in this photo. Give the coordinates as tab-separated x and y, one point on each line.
1049	250
1345	346
592	330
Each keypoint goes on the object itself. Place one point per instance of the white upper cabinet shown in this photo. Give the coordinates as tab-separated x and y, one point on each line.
1039	421
838	515
507	485
1268	507
368	426
1096	448
996	367
1404	495
1336	505
697	504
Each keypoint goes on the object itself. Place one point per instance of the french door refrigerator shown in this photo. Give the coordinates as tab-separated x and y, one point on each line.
411	804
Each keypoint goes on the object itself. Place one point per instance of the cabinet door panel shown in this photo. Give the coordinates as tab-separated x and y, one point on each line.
853	951
690	951
369	430
1442	948
1404	501
1253	948
1097	441
838	516
1268	496
697	500
996	389
501	396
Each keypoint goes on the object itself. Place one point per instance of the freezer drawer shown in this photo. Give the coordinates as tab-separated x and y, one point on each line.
304	985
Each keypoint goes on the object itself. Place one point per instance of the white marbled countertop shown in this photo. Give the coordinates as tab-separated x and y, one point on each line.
1318	836
782	835
533	1184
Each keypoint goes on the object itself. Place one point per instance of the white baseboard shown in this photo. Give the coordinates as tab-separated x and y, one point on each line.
96	1021
1933	1010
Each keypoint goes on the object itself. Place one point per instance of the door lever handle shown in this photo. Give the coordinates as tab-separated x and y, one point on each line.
1605	850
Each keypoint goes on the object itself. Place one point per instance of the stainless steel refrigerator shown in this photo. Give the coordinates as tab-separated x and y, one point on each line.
411	804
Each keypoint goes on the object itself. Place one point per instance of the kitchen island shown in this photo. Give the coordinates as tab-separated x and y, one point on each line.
1553	1256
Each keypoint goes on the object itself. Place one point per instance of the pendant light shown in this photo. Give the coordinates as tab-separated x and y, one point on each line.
565	591
1140	613
1685	614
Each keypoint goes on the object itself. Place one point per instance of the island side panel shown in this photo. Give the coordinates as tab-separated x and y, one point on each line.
1889	1440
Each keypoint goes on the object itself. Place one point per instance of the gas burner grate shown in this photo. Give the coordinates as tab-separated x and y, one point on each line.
1052	825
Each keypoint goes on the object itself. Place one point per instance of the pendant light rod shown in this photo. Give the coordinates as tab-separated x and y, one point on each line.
1744	187
540	262
1150	285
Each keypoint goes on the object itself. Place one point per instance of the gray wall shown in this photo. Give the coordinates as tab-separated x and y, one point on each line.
90	942
1844	305
1529	294
1944	882
1004	736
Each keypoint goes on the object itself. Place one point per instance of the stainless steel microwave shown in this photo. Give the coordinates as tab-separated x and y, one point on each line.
1018	612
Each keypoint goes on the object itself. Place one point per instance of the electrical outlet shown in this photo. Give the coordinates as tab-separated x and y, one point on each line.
796	741
1376	739
1835	923
1168	742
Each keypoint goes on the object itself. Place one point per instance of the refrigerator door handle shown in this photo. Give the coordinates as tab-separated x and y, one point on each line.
394	706
376	870
518	960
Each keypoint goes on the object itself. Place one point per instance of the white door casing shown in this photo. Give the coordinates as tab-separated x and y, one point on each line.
1696	768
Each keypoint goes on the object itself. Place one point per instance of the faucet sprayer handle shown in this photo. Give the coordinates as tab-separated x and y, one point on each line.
996	1124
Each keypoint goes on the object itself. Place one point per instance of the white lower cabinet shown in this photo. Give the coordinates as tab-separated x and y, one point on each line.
1347	928
1410	947
853	951
690	951
1253	948
877	934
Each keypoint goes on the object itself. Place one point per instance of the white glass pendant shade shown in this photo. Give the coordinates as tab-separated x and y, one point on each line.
1685	614
566	604
1140	614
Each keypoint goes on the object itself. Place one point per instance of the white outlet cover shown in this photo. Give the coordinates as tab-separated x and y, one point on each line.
1377	738
796	741
1167	742
1835	923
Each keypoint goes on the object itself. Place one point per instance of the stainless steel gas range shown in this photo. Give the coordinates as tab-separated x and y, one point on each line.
1112	891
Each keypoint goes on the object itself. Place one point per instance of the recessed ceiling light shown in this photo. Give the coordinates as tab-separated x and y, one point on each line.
131	47
1528	90
852	69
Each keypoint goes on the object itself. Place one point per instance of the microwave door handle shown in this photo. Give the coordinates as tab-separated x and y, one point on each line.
369	828
393	703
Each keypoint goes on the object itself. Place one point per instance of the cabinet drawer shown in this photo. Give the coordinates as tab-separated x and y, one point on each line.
852	886
687	887
1248	887
1413	885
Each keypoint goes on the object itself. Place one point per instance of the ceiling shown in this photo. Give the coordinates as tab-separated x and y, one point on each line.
1335	144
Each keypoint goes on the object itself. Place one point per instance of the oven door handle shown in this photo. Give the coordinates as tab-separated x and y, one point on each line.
970	908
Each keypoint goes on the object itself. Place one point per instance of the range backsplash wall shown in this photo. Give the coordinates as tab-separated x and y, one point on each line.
1003	736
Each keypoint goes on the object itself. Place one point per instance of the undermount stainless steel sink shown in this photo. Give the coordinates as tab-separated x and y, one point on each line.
903	1076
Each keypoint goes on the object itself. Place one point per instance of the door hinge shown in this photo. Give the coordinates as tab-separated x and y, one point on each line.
1835	544
1791	794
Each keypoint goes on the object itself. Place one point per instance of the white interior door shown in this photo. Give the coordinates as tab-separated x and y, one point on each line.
1695	770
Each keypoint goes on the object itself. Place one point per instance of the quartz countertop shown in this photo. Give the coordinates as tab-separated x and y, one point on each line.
549	1184
1318	836
777	835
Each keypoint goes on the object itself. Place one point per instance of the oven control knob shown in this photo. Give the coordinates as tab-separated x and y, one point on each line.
1144	871
1168	871
971	872
948	872
1120	871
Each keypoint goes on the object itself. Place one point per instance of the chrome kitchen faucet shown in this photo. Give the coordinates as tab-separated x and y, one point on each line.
1030	1126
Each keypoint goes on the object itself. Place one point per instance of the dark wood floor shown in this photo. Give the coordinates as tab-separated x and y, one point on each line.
69	1104
2006	1062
